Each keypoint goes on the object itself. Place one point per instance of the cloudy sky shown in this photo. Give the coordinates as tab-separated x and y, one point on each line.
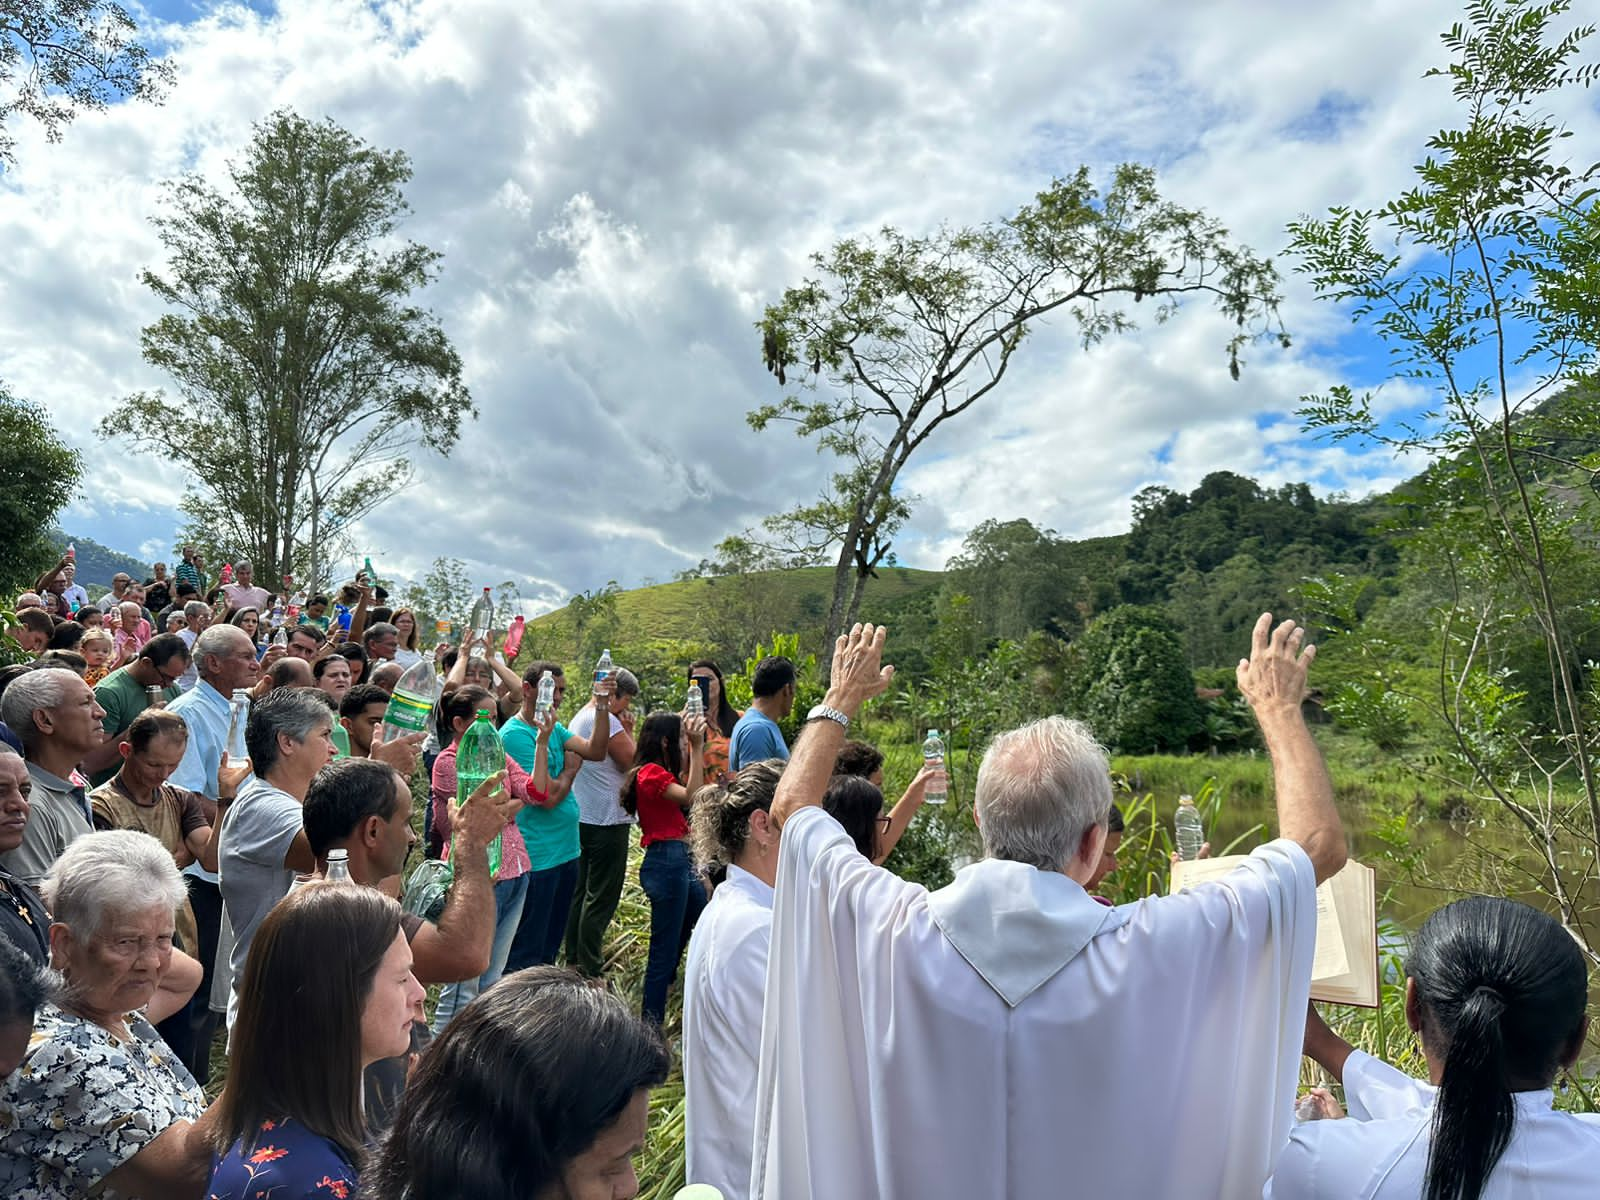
619	188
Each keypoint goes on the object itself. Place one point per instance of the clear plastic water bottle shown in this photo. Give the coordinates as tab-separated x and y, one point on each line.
415	694
1190	831
547	693
480	754
480	621
338	866
694	705
442	630
933	759
281	638
238	718
603	670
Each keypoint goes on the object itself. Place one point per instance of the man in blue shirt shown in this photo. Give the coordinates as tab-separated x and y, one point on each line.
756	735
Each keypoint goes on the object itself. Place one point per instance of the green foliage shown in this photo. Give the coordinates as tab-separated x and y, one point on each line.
1128	678
1479	279
38	475
307	375
98	565
61	57
904	333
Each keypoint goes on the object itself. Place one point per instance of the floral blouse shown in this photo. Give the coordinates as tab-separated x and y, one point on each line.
284	1161
84	1102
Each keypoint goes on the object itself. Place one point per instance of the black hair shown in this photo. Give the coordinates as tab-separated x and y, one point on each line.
185	588
284	672
726	717
855	803
773	674
24	985
11	672
857	758
521	1082
1501	989
463	705
320	667
87	610
153	723
1114	822
357	698
345	793
660	741
354	652
537	669
66	636
322	600
163	647
61	660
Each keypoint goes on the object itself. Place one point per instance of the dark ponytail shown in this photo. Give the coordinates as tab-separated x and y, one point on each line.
1501	989
658	743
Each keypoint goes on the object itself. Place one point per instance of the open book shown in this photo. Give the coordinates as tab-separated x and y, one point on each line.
1345	967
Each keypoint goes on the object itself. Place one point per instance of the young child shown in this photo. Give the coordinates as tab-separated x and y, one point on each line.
97	647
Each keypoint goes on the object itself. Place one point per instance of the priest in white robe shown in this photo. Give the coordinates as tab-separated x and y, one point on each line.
1008	1036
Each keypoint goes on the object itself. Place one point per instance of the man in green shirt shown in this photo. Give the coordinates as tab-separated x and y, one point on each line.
124	694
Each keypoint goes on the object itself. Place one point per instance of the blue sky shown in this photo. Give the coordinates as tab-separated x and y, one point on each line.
619	187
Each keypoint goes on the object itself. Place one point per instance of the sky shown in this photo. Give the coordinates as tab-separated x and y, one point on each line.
619	188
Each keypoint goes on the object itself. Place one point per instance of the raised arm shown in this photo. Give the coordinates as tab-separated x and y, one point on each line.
857	676
906	808
1273	680
459	946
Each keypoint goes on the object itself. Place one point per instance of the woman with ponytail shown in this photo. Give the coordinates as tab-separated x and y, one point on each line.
1495	992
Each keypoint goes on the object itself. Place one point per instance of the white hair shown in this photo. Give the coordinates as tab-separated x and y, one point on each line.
29	693
217	641
1040	789
119	870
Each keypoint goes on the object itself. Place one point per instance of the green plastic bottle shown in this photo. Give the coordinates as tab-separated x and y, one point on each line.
480	755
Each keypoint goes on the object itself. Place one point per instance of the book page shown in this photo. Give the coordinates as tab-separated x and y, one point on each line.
1344	968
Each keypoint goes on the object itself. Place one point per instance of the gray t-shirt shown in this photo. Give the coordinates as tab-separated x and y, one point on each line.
58	816
598	785
257	831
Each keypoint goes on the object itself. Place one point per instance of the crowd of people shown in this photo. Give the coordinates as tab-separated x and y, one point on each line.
845	1032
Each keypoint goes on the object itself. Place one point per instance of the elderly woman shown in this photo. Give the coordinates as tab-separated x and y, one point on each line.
100	1105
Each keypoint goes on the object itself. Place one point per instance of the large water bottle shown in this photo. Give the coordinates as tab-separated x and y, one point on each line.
933	759
238	718
547	693
603	670
338	867
480	754
694	704
480	621
415	694
1190	831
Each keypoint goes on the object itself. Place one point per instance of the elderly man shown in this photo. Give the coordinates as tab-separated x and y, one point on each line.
72	591
119	587
242	592
290	672
1047	1035
380	641
224	659
58	720
290	737
23	919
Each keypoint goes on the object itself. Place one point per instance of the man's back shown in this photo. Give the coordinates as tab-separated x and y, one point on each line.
755	737
1150	1065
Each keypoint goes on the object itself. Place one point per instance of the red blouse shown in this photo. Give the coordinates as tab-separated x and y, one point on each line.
660	819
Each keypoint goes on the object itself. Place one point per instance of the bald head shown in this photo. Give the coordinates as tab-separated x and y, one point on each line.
290	673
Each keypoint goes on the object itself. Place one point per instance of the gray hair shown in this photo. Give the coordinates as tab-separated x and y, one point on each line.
217	641
627	682
294	713
244	564
195	608
1040	789
118	870
30	692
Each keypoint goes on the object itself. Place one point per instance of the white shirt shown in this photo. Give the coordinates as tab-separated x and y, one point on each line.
1381	1151
1148	1051
407	658
598	785
723	986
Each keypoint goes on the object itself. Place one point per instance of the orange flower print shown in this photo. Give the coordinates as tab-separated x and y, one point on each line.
267	1154
337	1187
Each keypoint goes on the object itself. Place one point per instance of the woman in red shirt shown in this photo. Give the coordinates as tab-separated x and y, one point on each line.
659	790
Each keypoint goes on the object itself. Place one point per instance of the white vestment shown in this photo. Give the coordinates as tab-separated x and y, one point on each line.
1008	1036
723	987
1380	1152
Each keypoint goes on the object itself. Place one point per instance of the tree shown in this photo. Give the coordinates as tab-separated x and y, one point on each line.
308	375
1481	280
1127	676
58	57
897	336
38	474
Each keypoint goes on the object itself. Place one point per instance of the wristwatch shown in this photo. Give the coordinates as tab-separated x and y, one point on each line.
825	712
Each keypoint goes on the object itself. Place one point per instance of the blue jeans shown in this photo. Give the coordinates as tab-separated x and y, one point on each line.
509	895
677	897
544	916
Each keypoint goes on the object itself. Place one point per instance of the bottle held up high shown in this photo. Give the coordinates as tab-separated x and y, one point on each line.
547	693
1188	828
933	760
603	670
479	622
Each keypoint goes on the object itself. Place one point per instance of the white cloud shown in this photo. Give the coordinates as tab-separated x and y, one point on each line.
619	187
